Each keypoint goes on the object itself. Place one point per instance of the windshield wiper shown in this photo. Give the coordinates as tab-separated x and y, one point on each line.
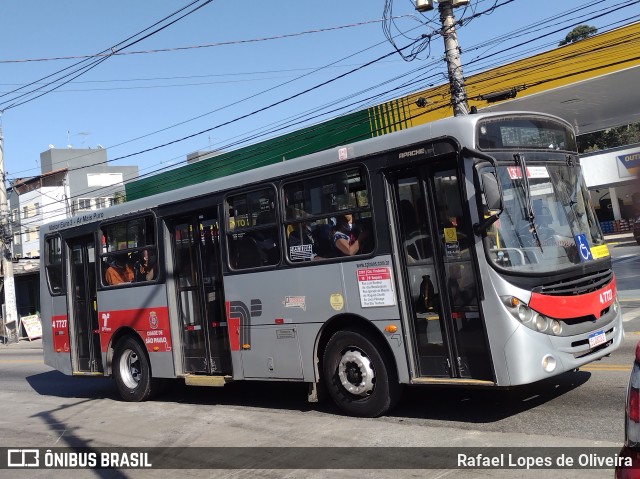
530	216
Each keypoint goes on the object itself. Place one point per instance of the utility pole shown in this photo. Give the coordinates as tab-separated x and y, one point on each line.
10	310
452	51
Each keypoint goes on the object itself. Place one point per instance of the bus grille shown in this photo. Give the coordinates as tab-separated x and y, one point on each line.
582	285
584	319
584	342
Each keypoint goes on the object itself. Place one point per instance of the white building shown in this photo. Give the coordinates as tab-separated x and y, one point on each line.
611	177
71	181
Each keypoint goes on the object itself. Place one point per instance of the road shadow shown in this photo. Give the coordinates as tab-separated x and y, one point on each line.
56	384
257	394
85	390
486	405
444	403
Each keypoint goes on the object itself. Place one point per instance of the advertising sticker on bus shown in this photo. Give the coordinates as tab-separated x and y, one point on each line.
376	287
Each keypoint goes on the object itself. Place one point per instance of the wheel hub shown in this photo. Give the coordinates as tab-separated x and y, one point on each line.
356	373
130	369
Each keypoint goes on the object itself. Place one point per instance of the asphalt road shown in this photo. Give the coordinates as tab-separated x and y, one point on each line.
43	408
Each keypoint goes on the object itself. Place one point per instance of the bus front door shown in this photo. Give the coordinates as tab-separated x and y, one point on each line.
86	354
198	280
435	242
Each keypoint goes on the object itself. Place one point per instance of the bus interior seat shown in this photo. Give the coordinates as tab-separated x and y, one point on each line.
247	253
322	240
266	217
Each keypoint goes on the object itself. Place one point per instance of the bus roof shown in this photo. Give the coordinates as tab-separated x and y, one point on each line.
462	128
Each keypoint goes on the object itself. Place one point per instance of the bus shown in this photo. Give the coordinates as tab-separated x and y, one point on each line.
460	252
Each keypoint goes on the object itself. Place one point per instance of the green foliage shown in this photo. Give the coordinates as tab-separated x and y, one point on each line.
579	33
119	197
611	138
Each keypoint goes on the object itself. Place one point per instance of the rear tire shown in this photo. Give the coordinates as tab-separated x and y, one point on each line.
359	374
132	371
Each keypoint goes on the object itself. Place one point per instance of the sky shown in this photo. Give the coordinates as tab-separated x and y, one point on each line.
233	70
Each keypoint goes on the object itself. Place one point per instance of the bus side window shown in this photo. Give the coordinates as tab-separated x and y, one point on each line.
129	252
252	233
315	213
53	265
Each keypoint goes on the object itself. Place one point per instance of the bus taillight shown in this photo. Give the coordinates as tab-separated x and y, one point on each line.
634	405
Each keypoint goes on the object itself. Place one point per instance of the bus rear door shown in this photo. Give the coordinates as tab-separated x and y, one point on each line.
435	245
197	277
86	353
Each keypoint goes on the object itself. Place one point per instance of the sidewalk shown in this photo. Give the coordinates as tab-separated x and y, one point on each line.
619	238
22	344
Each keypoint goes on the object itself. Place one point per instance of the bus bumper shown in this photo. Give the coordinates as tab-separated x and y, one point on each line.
532	356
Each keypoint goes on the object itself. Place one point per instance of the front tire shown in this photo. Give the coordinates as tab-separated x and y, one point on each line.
359	374
132	371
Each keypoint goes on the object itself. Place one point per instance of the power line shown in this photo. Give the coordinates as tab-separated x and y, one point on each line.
242	155
114	160
250	97
208	45
84	66
189	120
319	128
486	11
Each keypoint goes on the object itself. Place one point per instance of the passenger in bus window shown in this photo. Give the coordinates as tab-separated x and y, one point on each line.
343	238
265	238
145	268
303	245
299	234
118	271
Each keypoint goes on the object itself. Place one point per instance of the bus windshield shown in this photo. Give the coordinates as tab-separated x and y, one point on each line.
550	228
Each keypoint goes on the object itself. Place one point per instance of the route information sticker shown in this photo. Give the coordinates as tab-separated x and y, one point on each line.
376	287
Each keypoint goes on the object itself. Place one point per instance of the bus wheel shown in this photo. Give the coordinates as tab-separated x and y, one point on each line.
358	376
132	371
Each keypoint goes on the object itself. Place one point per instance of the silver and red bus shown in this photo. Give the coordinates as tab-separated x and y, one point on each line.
474	258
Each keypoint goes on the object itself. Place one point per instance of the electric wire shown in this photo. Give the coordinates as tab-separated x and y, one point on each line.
446	103
14	101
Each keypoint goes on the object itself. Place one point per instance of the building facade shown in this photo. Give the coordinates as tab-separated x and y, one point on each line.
72	181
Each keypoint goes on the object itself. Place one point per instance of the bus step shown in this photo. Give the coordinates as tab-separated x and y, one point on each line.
212	381
450	381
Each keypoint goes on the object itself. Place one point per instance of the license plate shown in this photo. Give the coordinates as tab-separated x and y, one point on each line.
596	338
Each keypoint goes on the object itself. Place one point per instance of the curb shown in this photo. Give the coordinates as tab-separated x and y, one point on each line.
22	344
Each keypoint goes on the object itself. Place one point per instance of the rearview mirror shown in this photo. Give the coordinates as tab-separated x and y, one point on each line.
492	193
493	197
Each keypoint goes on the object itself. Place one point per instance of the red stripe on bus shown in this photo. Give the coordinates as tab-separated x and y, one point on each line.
234	329
60	332
152	324
567	307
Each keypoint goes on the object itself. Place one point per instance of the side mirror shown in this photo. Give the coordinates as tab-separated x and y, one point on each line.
492	192
493	196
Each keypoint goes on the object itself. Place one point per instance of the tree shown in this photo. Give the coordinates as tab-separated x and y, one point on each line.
579	33
119	197
610	138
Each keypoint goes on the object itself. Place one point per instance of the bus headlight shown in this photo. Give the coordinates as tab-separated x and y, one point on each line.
541	322
549	363
524	313
531	318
